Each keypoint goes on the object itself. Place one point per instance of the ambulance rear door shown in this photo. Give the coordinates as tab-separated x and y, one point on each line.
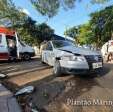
4	55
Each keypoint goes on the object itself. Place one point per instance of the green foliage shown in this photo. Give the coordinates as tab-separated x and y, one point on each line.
29	31
102	24
97	31
44	32
82	34
86	36
99	1
26	31
34	33
51	7
13	18
46	7
9	14
71	32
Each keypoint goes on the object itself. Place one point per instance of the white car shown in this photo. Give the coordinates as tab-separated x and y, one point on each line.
65	57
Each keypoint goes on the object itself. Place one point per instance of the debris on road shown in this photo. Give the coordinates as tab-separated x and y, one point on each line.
2	75
33	110
26	103
25	90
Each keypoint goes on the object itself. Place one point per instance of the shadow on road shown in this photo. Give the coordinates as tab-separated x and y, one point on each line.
56	92
100	73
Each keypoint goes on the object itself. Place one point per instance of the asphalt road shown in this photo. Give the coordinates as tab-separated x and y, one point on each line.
19	67
68	93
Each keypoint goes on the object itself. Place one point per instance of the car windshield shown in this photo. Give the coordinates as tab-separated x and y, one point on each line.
59	44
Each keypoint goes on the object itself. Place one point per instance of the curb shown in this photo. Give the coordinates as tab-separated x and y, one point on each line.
27	71
8	102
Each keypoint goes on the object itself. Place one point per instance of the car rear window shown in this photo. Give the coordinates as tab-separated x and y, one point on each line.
0	39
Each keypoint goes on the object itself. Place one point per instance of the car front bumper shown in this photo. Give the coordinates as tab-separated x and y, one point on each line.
80	71
79	67
74	64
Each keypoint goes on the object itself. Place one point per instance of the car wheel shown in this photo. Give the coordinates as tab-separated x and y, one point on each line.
57	69
27	57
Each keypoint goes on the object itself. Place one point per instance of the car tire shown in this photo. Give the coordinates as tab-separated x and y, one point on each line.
57	69
43	62
27	57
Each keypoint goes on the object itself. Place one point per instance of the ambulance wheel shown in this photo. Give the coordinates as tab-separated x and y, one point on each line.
12	59
27	57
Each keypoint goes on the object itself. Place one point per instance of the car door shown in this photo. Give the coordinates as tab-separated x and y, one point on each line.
3	47
49	54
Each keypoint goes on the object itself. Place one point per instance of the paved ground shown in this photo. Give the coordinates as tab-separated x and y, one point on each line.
7	102
68	93
21	67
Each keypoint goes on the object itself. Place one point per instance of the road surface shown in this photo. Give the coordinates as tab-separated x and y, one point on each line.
68	93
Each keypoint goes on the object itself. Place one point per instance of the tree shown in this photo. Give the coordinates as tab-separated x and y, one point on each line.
29	31
34	33
102	25
72	32
9	14
51	7
82	34
99	1
97	31
39	32
85	36
43	32
26	31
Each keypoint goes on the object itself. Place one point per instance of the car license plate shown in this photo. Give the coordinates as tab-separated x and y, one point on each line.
97	65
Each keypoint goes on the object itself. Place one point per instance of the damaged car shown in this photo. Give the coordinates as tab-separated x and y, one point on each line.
66	57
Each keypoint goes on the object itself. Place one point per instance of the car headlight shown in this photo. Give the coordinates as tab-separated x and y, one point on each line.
73	58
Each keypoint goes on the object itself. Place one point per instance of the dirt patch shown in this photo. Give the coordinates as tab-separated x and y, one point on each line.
24	79
46	90
11	86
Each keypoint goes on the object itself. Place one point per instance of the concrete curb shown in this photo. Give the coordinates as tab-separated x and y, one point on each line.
8	102
27	71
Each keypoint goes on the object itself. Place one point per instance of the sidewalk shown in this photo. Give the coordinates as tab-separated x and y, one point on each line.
7	102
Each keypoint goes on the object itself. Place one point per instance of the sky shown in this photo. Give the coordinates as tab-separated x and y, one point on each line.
64	19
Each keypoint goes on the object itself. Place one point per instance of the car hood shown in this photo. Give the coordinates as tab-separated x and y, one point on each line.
78	50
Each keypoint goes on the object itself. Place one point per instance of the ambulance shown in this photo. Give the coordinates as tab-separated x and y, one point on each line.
12	48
